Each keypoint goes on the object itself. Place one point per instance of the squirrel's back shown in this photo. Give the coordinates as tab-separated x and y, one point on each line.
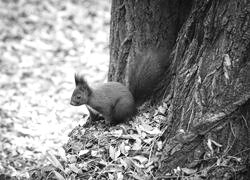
113	91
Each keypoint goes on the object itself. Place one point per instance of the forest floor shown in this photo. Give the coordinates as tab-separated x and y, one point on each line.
42	45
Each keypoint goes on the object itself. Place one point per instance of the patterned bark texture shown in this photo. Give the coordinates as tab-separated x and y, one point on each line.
205	76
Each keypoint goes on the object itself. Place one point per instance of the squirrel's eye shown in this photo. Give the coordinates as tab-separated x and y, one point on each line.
78	97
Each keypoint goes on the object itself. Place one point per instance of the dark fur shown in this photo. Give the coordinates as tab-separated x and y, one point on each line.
146	72
82	83
81	93
113	100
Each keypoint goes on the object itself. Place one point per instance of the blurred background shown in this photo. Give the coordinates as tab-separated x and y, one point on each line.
42	44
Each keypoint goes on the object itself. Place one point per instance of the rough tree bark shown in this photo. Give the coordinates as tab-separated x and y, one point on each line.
208	85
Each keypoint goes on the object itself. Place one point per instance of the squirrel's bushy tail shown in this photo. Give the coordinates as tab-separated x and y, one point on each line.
145	72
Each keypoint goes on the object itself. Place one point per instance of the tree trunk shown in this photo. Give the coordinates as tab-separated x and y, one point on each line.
207	43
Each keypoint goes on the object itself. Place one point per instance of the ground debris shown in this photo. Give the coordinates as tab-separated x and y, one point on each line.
42	45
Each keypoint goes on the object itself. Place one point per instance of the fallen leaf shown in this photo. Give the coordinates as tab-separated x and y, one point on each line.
189	171
141	159
58	176
83	152
54	161
74	168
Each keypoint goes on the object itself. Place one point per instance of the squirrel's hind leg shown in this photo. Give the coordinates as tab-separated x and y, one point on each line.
124	110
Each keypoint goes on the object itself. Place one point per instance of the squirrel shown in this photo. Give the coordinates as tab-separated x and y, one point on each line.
114	101
146	71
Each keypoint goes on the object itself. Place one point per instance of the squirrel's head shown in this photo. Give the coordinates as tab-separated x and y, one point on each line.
81	93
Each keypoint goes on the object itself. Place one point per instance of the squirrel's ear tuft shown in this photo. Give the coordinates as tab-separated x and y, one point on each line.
77	79
81	82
